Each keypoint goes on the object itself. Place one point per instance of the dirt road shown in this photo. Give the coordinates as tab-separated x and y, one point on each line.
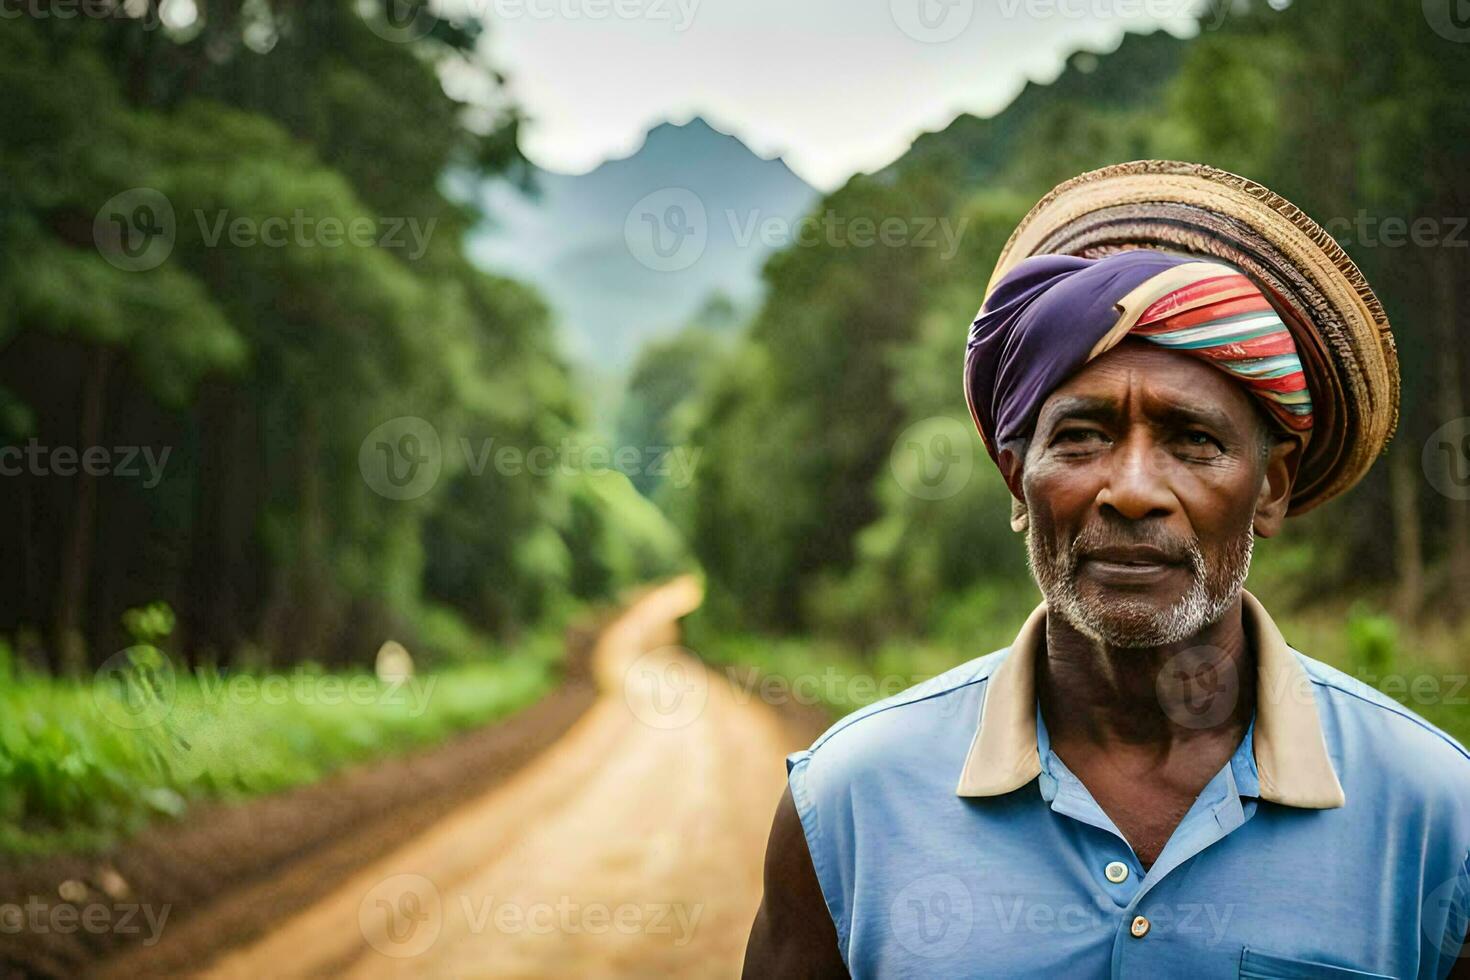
631	848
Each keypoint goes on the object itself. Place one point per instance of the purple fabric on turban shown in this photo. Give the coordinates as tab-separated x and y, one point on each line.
1038	327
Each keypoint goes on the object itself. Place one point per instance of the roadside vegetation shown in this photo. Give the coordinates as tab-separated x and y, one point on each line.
82	765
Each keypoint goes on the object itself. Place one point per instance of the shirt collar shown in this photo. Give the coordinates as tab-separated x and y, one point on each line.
1290	751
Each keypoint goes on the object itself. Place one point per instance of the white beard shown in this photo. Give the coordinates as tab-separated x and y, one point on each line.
1130	623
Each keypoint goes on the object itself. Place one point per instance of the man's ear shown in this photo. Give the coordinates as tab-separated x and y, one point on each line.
1011	460
1276	483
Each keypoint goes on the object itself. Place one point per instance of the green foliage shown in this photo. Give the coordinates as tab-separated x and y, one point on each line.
796	424
150	623
666	373
265	362
1224	106
262	351
1372	640
1422	666
73	778
1287	572
637	543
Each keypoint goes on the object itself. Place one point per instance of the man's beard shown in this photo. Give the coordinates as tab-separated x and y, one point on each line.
1120	620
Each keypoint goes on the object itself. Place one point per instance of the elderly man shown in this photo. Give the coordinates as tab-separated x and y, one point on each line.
1148	781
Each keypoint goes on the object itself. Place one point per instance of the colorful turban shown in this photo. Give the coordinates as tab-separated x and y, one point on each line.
1051	314
1049	310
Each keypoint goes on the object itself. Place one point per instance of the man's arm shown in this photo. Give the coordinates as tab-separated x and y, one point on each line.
793	934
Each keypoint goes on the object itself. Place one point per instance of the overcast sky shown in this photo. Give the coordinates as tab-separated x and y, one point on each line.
833	86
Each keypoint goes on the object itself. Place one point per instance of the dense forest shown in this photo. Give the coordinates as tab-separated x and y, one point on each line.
802	515
228	262
234	394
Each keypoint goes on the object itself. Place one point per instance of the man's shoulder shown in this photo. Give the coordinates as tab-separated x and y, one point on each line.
1395	737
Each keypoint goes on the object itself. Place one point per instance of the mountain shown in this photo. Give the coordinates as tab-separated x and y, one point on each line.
635	248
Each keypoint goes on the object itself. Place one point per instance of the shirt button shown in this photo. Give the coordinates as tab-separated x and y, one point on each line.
1139	927
1116	872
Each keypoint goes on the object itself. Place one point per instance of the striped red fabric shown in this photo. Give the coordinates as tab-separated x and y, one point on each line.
1228	321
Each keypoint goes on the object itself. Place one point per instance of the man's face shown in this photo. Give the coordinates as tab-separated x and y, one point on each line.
1142	483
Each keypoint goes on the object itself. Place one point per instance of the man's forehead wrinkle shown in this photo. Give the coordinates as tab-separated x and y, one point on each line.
1081	406
1163	412
1060	407
1184	391
1199	414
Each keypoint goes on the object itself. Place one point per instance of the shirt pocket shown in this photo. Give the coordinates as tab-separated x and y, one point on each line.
1257	964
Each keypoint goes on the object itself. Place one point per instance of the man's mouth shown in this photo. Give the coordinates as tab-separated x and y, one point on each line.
1133	554
1130	565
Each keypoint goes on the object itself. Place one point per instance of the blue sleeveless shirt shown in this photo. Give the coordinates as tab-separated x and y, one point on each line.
950	841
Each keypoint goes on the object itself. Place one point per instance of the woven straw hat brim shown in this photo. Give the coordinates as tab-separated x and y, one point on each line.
1339	327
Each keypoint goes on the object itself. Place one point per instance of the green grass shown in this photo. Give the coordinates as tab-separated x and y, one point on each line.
84	764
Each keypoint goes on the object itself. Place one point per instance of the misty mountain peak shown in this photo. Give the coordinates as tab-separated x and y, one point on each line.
611	295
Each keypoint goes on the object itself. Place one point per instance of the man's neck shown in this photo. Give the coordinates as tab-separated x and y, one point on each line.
1147	699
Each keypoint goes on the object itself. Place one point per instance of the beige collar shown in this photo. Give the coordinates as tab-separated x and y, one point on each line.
1291	754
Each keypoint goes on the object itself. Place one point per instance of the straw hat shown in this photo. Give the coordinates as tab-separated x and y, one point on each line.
1339	327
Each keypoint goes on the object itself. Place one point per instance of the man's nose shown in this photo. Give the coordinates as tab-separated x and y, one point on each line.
1136	485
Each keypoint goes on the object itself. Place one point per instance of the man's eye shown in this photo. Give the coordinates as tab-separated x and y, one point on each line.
1075	437
1202	443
